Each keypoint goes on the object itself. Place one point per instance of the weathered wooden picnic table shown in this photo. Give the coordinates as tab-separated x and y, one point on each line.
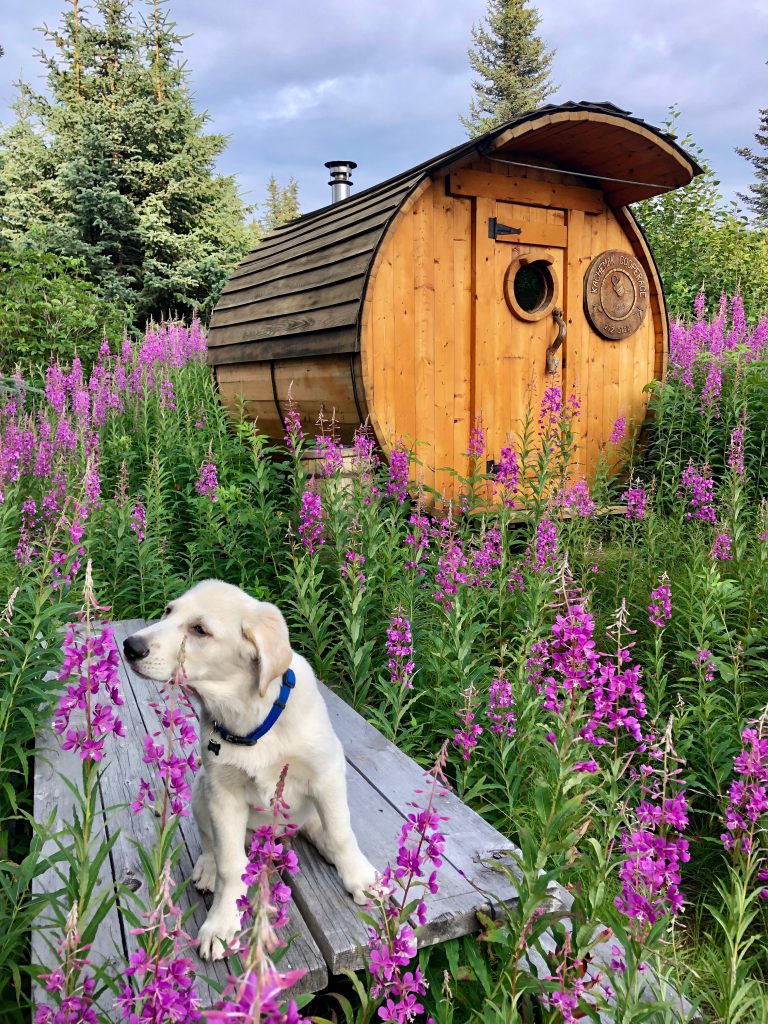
328	934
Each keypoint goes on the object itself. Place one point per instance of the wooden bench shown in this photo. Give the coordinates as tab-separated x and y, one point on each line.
328	934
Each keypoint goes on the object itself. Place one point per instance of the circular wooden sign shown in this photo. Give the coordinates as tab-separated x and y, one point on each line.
615	294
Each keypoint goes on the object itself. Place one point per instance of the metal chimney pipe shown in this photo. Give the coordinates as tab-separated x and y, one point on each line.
341	180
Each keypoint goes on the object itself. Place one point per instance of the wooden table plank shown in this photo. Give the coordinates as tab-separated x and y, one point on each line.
303	951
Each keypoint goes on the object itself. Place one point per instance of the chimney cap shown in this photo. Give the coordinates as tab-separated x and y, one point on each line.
341	163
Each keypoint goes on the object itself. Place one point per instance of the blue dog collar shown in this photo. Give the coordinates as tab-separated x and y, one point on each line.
288	683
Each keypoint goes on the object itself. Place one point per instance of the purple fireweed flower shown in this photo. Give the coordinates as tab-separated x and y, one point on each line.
476	441
399	646
451	564
90	667
713	387
697	487
736	451
746	816
391	941
418	541
207	483
25	549
485	559
654	848
577	498
330	452
721	550
352	567
138	521
507	476
55	390
367	461
167	401
169	752
542	555
465	737
161	985
706	663
660	605
294	435
501	706
619	431
69	986
311	521
636	500
397	484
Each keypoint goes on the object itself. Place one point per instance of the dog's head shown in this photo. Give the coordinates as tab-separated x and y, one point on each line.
229	645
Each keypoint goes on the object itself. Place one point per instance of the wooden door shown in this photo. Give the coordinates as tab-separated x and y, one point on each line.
519	282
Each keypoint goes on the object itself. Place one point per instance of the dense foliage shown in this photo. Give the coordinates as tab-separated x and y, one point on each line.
757	197
511	63
49	311
113	165
701	244
599	679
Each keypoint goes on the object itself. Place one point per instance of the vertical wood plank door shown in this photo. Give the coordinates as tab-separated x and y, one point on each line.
513	321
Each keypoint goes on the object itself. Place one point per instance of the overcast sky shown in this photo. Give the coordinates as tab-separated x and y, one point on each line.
383	82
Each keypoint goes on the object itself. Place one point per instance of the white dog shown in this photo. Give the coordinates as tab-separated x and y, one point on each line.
238	660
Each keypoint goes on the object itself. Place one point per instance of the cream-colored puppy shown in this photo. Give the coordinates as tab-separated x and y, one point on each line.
235	653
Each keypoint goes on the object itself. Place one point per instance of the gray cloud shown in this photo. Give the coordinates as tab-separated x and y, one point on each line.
294	84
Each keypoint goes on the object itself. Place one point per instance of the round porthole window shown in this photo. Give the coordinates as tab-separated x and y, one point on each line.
531	287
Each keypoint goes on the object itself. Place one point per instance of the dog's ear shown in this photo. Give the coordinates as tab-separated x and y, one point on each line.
265	630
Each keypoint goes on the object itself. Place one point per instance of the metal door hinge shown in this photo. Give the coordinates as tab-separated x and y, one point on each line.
495	228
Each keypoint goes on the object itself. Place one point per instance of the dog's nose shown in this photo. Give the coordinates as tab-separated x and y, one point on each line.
135	648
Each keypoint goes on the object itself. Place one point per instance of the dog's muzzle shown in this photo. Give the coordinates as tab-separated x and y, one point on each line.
135	648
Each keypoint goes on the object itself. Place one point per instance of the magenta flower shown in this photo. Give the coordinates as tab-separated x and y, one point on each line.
207	483
619	431
91	662
138	521
748	793
706	663
660	605
294	435
465	737
397	485
170	754
451	564
399	648
736	451
698	487
542	556
721	550
577	498
311	521
636	500
507	475
330	451
418	541
485	559
476	441
501	706
352	567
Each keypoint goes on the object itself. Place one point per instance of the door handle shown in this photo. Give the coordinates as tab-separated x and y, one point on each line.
553	360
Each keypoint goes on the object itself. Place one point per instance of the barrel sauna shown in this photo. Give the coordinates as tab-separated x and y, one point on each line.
461	289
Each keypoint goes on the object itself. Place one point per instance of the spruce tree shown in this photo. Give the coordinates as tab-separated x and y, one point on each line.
512	65
116	168
757	199
280	206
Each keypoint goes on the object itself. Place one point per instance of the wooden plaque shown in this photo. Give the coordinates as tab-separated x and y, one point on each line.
615	294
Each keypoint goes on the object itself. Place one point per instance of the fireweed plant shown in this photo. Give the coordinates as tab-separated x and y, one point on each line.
501	605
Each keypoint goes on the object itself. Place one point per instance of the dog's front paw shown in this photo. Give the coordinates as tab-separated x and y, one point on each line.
358	879
204	873
216	935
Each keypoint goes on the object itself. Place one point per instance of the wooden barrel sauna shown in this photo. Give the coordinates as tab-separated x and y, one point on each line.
462	289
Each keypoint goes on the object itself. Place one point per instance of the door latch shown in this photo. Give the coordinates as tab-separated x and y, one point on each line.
553	360
495	229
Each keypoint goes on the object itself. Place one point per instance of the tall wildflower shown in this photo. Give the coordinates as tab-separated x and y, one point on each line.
746	816
466	735
660	604
294	435
91	664
485	558
392	941
636	500
451	565
397	484
311	521
417	539
542	554
577	498
330	452
618	431
258	993
698	488
169	753
655	848
161	978
476	440
501	706
736	451
69	986
399	648
207	483
138	521
507	476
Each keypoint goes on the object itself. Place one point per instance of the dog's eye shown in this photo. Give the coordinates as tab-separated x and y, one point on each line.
167	611
199	631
